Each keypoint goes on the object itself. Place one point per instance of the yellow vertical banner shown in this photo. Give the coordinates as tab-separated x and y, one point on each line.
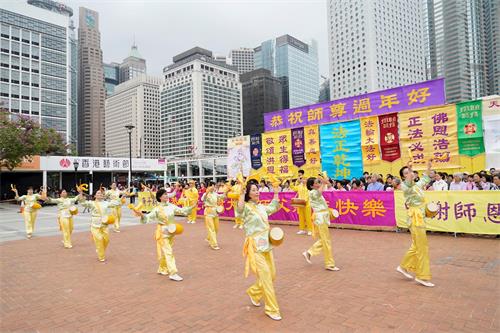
370	140
277	153
313	160
430	134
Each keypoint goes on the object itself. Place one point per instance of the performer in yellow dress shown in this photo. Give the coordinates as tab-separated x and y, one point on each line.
321	220
235	192
100	211
257	249
211	200
305	213
64	217
191	199
416	259
164	215
113	195
31	206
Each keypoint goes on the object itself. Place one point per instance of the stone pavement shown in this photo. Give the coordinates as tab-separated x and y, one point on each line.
46	288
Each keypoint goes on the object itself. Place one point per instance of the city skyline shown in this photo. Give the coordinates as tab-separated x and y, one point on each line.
158	41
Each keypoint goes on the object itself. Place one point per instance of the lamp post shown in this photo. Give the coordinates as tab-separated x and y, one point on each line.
76	164
129	131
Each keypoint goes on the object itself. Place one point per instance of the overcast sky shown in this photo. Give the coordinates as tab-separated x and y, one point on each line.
164	28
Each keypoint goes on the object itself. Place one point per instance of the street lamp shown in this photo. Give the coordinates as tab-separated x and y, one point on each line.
129	131
76	164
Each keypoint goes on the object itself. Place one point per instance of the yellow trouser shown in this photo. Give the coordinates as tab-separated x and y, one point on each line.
416	259
212	224
164	247
323	245
237	218
29	221
66	226
305	218
101	240
192	215
118	213
263	286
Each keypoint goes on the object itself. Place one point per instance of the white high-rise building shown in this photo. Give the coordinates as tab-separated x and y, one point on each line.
200	105
135	102
243	59
374	45
38	64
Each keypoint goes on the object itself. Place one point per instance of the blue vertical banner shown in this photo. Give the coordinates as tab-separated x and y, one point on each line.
340	145
256	151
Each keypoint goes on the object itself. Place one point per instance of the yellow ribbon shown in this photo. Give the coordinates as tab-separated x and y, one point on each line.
249	249
416	215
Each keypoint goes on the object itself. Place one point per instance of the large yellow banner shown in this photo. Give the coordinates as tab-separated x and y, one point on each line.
370	139
277	153
313	160
430	134
472	212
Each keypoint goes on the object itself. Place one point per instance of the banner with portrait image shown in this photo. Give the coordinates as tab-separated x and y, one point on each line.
256	151
238	156
298	156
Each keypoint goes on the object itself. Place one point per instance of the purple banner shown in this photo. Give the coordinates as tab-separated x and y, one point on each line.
357	208
298	146
414	96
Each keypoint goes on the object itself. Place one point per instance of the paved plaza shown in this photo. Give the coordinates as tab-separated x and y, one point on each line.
46	288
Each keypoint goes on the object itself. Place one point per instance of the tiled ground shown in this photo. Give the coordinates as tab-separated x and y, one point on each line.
46	288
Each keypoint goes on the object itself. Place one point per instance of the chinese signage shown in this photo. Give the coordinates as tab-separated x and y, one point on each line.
389	137
430	134
341	150
276	153
66	163
370	140
313	158
470	128
476	212
298	147
415	96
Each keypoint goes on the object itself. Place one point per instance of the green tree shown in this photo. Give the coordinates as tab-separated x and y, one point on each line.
23	138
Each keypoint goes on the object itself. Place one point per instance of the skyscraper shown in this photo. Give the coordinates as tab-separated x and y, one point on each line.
200	105
135	102
464	51
133	65
374	45
111	77
295	63
243	59
262	93
91	86
36	74
324	90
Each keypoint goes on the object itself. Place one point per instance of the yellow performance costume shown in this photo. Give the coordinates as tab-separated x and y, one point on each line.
191	195
114	197
210	200
416	260
100	234
259	255
29	213
320	228
305	214
236	190
64	218
164	214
